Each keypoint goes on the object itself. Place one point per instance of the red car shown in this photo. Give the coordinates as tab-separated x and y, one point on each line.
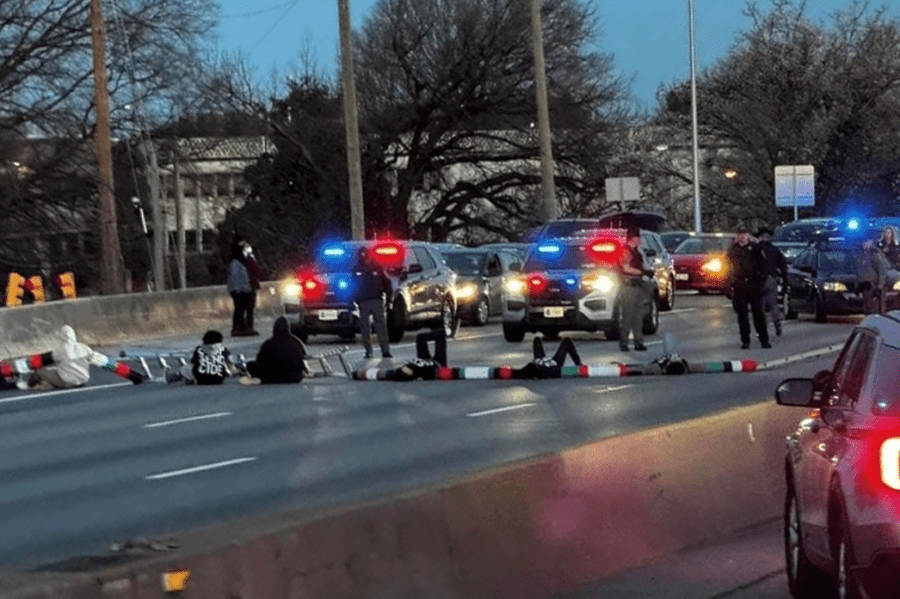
701	263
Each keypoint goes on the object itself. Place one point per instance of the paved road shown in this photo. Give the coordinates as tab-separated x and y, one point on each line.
83	468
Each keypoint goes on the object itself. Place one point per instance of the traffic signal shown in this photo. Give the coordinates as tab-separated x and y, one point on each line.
20	290
65	282
34	287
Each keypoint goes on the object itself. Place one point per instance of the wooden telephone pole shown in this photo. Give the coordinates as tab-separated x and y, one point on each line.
357	218
113	280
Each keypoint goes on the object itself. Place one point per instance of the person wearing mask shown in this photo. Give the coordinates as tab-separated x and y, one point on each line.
371	287
776	275
241	290
748	273
634	294
281	358
256	276
542	367
71	363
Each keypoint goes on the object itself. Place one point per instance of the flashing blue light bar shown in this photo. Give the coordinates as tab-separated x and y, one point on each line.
853	224
549	248
334	252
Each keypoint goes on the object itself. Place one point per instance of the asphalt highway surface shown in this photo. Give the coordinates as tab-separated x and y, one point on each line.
81	469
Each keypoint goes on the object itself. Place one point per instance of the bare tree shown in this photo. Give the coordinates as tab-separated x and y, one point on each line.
448	89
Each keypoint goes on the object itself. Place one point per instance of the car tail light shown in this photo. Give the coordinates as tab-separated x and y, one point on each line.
889	461
388	253
536	284
605	250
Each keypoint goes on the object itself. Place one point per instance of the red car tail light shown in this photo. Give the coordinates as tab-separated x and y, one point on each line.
889	461
311	287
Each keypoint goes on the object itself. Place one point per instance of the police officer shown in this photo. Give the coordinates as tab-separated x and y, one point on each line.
748	275
634	295
370	285
776	274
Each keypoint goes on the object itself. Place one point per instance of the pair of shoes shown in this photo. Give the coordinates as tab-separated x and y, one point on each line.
249	380
386	354
640	347
766	345
251	333
623	348
778	331
745	345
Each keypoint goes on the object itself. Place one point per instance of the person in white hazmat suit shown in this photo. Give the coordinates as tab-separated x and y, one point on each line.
71	363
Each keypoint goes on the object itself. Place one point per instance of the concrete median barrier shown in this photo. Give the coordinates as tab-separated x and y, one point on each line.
530	530
111	319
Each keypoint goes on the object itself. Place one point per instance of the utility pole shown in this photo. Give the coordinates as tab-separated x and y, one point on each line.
698	216
113	270
549	205
351	125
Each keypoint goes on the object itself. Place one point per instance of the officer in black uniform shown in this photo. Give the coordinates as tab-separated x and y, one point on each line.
748	275
776	276
371	285
634	295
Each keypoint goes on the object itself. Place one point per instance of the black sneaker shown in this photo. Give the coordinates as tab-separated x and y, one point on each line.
766	345
745	345
623	348
640	347
386	354
368	355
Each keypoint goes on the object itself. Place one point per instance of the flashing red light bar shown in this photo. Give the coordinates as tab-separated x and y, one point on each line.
311	288
388	253
607	250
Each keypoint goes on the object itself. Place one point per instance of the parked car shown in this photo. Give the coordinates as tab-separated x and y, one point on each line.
842	468
822	280
791	238
424	290
566	227
479	280
671	239
518	248
572	283
701	262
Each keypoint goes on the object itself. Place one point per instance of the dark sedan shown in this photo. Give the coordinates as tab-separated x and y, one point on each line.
479	280
822	281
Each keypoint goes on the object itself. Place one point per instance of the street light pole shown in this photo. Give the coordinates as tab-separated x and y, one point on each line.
698	222
549	205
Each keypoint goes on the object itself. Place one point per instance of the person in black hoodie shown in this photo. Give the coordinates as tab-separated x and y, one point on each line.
281	358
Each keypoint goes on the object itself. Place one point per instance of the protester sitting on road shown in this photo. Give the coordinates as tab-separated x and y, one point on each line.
210	364
426	365
542	367
281	358
71	363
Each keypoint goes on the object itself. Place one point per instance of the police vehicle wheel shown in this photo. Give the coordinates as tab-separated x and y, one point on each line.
449	318
668	302
482	313
651	320
512	332
396	322
805	581
348	335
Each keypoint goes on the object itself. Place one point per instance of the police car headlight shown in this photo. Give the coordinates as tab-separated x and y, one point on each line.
896	286
601	283
290	290
715	266
514	286
466	292
836	286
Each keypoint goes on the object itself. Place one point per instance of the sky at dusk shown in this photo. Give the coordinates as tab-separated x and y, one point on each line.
647	38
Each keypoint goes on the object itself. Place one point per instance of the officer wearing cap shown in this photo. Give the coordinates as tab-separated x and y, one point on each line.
371	287
748	275
634	295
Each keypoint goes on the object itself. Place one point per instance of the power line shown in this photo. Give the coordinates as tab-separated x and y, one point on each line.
291	5
256	13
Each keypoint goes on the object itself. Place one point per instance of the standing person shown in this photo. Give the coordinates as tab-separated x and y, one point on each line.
371	286
281	358
748	268
872	273
776	274
634	293
890	246
542	367
241	290
256	276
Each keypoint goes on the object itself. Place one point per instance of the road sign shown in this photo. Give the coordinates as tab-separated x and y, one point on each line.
795	186
623	189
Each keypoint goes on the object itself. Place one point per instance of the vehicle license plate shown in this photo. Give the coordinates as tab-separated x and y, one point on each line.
681	276
328	314
554	312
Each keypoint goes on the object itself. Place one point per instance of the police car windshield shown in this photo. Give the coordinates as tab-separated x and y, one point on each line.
557	256
801	232
464	263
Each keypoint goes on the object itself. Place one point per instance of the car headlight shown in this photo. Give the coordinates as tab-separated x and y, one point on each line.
290	289
466	292
834	286
514	286
715	266
896	286
601	282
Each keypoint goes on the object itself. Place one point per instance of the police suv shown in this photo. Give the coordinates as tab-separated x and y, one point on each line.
424	290
573	283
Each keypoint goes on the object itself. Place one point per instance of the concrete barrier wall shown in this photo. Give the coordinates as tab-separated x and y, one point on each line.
531	530
111	319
